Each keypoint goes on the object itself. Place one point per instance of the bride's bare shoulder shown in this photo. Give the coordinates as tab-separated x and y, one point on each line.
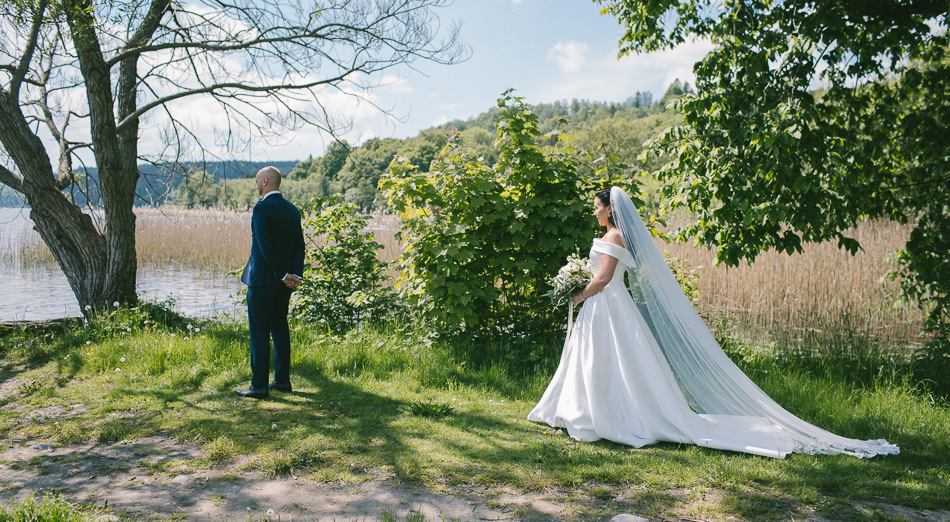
613	236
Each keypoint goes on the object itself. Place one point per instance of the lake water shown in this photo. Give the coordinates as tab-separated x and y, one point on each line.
41	292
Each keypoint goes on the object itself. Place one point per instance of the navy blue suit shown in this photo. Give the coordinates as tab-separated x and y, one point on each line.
277	249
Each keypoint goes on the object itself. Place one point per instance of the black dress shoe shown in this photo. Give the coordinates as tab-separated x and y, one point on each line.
276	386
252	392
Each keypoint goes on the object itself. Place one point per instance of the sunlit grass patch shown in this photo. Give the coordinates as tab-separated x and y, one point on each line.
431	410
221	449
70	433
274	464
47	508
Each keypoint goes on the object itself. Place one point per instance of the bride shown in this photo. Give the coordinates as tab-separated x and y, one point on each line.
640	367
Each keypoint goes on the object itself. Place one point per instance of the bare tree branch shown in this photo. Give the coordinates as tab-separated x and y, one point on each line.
8	178
27	56
270	89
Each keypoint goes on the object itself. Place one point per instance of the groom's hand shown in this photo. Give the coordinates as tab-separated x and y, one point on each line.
292	281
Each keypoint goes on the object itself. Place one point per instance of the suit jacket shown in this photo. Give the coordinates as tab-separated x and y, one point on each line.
277	246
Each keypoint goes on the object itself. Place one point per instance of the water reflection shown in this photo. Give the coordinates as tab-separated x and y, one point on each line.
41	292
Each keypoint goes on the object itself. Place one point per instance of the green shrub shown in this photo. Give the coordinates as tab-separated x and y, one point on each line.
344	281
687	277
932	365
481	240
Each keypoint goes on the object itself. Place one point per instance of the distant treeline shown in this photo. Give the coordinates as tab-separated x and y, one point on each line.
156	183
354	171
597	127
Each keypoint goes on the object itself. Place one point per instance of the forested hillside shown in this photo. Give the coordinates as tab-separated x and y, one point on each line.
594	127
157	183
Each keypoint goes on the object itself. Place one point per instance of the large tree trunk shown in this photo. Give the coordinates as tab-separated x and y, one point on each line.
117	178
99	265
70	234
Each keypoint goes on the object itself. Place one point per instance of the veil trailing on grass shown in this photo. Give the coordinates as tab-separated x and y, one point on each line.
711	383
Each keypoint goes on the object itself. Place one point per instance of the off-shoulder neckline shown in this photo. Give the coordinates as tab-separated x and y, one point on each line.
609	243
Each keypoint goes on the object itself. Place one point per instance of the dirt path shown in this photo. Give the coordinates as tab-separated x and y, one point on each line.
149	479
118	478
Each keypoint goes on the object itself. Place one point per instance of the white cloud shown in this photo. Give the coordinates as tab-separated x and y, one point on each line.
607	78
442	119
569	55
447	113
396	84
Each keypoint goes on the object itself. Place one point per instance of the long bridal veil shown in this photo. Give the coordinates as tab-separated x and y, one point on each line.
713	386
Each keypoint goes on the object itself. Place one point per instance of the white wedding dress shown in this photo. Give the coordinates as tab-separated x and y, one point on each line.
641	372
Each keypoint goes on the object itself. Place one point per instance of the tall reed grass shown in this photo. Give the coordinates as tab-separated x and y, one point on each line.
217	238
824	290
210	239
29	250
201	238
384	228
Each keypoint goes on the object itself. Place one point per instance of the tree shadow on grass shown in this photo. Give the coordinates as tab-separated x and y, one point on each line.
335	423
328	423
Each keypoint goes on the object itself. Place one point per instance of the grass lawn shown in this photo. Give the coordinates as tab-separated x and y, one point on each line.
389	404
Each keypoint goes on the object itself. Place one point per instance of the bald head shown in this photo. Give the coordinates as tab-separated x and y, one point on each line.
268	180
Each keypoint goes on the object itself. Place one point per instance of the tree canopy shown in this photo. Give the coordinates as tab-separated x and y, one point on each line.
808	116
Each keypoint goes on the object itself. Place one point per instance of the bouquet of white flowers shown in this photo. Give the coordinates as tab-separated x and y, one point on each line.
570	279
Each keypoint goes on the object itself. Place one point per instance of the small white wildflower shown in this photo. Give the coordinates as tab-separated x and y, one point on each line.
87	308
197	330
118	370
273	426
190	327
88	343
115	304
121	359
128	328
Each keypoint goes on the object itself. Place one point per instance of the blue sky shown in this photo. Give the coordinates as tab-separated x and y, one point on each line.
546	50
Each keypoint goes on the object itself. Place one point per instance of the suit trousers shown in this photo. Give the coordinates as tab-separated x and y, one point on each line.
267	318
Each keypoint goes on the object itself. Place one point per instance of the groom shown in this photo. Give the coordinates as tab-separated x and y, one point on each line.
271	273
